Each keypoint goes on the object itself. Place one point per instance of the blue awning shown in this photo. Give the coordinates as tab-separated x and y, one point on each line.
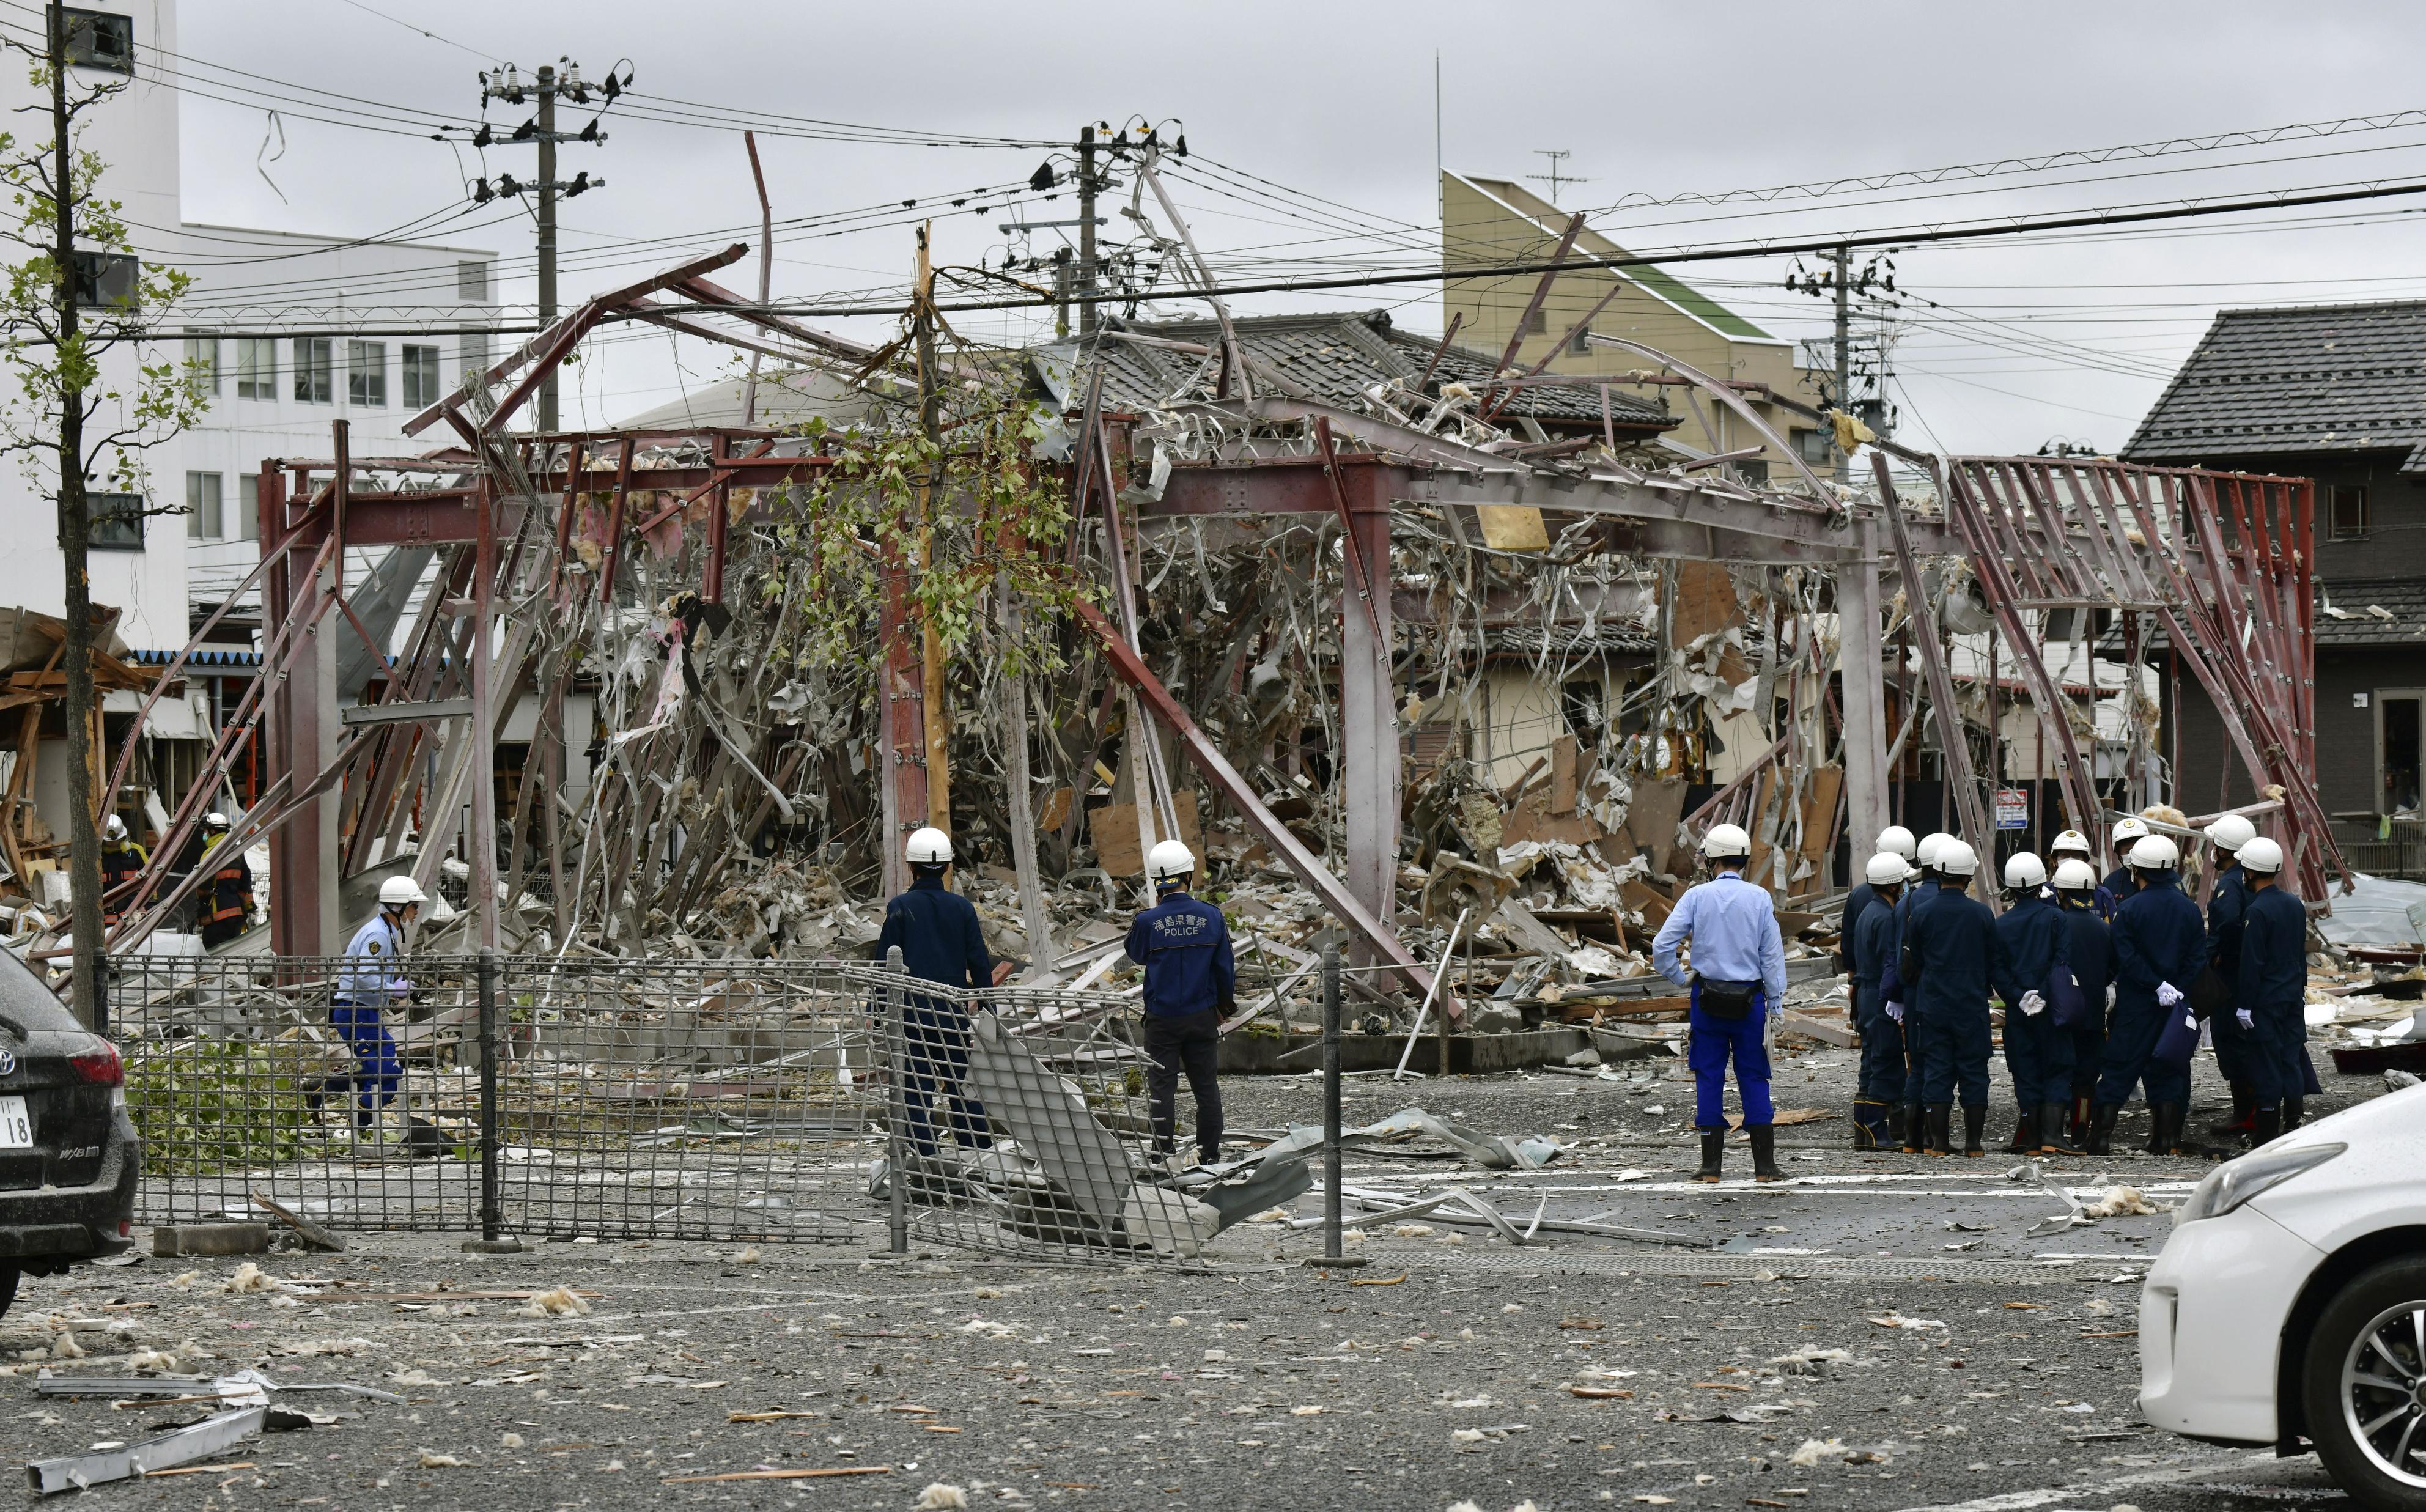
205	658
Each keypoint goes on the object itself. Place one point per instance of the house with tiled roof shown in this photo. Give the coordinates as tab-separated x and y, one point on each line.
2336	393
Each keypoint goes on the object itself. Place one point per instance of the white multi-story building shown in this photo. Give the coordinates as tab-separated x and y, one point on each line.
297	330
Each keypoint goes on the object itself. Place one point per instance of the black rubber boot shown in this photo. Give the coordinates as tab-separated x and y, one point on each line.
2165	1128
1974	1123
1941	1121
2265	1125
2101	1128
1763	1152
2053	1138
1916	1129
2244	1112
2293	1109
1868	1116
1713	1141
2026	1134
1895	1126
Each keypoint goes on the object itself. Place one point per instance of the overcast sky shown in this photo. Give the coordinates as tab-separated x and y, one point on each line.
2068	338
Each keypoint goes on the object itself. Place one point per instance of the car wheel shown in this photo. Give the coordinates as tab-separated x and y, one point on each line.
2365	1387
8	1287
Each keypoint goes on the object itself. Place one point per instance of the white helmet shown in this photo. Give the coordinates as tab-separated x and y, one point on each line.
2023	870
1886	869
2128	828
2231	831
2073	875
398	891
2156	854
214	821
931	847
2072	843
1926	852
1726	843
1956	858
1899	840
1171	861
2261	856
114	829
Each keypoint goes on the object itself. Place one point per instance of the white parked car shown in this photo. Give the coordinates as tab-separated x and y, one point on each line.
2289	1305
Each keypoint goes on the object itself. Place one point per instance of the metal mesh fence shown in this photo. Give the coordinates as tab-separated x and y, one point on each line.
647	1098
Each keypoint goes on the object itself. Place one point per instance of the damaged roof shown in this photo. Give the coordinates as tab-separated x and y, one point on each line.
1333	358
2370	611
2319	377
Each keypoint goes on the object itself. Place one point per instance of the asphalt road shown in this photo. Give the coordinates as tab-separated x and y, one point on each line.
1878	1332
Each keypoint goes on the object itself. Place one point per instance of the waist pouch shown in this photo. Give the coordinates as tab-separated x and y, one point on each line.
2066	1006
1726	999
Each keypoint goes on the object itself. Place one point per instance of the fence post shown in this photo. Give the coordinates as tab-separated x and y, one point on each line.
492	1217
896	1147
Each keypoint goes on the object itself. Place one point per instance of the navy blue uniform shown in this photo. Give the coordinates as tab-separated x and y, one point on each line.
2159	937
1857	903
2032	943
1876	984
941	942
2273	987
2120	887
1946	952
2225	911
1918	891
1191	977
2091	950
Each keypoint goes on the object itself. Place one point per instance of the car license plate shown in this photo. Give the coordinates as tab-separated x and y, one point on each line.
16	1126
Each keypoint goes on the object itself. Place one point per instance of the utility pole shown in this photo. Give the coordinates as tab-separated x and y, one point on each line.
76	532
1087	230
1844	356
506	84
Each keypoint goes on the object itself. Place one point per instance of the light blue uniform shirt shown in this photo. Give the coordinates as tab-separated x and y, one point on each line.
369	978
1732	926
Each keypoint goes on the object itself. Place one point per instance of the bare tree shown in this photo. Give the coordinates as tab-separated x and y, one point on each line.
76	295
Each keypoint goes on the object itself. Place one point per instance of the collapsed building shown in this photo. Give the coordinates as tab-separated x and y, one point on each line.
1454	657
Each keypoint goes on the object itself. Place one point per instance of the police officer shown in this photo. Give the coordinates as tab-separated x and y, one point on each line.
228	905
2160	944
1877	1007
2031	947
1190	981
1894	840
2120	883
1922	887
2089	947
2072	845
2226	908
1738	993
121	862
1946	952
941	942
371	981
2273	981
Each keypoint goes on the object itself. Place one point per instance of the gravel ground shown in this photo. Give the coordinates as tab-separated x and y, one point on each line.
1446	1368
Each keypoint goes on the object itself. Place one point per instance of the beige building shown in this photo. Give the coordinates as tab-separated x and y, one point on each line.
1492	222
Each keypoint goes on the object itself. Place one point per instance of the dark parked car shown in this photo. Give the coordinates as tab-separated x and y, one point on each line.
69	1157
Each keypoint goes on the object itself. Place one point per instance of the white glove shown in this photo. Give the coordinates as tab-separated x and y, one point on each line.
2246	1021
1895	1010
2109	995
2168	994
2032	1005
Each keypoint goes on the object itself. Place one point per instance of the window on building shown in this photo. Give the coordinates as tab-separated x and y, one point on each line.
96	38
115	521
1815	445
1538	324
367	373
202	361
1580	343
202	516
314	378
2399	775
472	281
420	377
247	506
2350	511
107	280
473	352
256	368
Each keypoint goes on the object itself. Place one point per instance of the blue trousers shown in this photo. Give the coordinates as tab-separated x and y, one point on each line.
365	1029
2088	1049
2277	1053
2235	1054
2130	1059
936	1067
1883	1052
1954	1055
1715	1042
2038	1056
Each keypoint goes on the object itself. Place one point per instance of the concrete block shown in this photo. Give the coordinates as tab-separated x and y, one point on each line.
211	1239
